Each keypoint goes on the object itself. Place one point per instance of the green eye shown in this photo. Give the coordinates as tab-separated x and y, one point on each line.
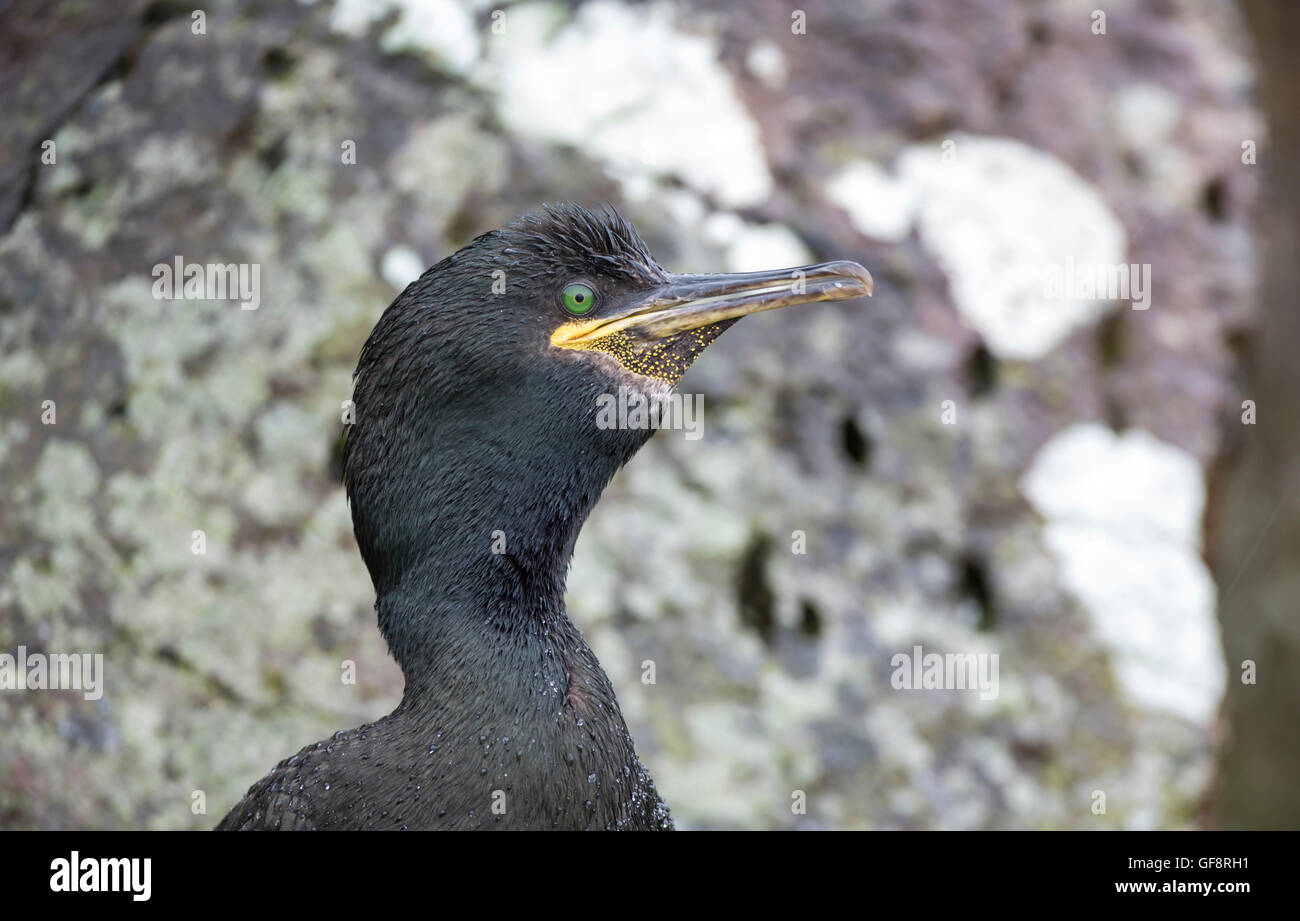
579	299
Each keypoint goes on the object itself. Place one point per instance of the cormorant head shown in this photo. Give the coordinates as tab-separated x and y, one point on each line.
486	373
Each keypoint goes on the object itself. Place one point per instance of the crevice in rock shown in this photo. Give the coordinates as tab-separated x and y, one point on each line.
754	594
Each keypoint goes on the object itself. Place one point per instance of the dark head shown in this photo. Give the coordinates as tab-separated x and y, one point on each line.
477	393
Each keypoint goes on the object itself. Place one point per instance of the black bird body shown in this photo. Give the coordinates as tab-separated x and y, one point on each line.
474	459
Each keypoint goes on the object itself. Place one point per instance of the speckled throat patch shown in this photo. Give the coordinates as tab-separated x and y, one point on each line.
662	359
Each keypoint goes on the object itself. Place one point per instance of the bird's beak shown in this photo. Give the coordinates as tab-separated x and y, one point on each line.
687	302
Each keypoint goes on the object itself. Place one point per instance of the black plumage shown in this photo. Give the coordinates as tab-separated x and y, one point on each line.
475	402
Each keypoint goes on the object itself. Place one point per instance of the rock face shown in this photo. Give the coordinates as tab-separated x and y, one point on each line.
872	477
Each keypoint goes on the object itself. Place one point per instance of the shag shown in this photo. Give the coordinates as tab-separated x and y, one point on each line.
473	461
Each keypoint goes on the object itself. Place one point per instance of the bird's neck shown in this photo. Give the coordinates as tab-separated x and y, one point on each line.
468	527
500	684
466	511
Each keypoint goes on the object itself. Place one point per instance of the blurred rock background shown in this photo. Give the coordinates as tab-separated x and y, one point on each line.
970	467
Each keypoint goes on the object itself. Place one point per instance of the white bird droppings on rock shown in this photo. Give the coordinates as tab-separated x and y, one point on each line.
880	206
765	246
610	78
998	216
766	62
442	29
1123	521
751	247
1146	114
401	266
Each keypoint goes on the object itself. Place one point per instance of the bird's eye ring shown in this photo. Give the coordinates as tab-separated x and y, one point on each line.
579	299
